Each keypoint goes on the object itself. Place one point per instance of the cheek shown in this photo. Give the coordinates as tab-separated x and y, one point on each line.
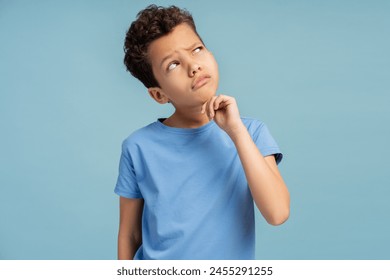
212	62
214	67
175	82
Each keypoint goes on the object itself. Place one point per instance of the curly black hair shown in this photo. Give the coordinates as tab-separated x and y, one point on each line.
152	23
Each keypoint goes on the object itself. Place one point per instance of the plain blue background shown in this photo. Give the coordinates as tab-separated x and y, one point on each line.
317	72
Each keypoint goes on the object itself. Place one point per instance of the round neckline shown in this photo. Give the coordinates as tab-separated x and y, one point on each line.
181	130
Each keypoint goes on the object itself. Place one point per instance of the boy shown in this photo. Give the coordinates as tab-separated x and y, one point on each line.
187	183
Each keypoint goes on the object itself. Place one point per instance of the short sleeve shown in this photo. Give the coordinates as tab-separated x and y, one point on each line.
126	185
266	143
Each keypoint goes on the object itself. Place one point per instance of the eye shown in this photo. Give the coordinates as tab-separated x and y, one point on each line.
198	49
172	65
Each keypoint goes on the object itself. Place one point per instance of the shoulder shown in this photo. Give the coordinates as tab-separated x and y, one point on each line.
253	125
263	138
139	136
258	130
251	121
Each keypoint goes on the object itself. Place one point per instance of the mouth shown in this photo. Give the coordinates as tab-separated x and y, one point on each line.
200	81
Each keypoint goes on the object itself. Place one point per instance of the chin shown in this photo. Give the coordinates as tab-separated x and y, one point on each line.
209	92
206	96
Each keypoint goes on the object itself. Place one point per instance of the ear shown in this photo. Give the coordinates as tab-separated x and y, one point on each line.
157	94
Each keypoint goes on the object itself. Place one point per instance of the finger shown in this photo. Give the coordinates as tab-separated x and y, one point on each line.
219	100
210	107
203	110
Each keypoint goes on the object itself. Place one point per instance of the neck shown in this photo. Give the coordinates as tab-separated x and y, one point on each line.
181	119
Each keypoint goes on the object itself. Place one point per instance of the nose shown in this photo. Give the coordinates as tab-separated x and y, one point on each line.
194	67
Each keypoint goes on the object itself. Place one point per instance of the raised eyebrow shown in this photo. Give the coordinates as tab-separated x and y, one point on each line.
187	49
193	46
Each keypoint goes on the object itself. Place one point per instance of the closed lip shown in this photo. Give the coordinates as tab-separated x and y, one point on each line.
199	81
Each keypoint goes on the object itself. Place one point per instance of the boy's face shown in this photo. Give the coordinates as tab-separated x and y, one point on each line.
186	71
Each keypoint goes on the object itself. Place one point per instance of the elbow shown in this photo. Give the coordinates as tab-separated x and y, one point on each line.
279	218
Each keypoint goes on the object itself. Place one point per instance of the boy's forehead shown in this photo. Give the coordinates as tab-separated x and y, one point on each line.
182	37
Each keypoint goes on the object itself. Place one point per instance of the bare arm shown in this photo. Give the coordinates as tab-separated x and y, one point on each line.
265	182
130	228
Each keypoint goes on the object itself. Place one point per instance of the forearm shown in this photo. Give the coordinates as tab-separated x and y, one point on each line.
265	182
266	185
127	246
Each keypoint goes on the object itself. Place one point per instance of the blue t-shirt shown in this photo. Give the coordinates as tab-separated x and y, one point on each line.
197	203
